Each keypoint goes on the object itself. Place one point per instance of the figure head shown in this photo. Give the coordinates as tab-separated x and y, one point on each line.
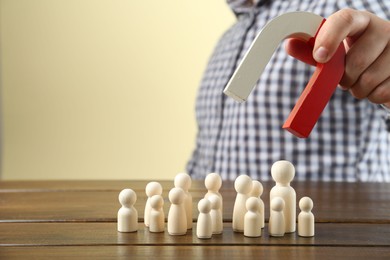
183	180
252	204
306	204
277	204
257	189
283	172
215	201
176	195
243	184
153	188
213	182
204	206
156	201
127	197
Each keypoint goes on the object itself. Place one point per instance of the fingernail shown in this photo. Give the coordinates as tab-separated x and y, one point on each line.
321	54
343	88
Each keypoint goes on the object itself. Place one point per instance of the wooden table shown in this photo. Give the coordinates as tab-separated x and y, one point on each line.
77	219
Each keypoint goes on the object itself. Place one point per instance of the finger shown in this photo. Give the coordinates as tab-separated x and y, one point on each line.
300	50
373	76
381	94
365	50
387	105
340	25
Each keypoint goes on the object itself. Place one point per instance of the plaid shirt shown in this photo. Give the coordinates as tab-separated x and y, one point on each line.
350	142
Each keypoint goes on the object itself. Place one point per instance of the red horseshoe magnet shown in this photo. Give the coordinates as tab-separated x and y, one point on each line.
322	84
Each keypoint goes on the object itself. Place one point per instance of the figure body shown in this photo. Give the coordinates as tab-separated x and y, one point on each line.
157	216
177	220
252	220
127	214
243	186
152	188
204	227
306	218
183	181
283	173
276	225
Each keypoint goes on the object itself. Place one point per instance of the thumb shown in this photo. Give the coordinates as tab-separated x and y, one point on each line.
340	25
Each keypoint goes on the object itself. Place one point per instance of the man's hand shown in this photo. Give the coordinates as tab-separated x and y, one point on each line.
367	41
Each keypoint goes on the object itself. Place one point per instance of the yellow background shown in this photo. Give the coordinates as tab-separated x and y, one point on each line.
103	89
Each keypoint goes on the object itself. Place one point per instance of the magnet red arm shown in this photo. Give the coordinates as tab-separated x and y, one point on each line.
316	95
300	25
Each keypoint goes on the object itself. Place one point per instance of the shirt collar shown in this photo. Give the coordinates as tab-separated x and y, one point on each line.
244	6
240	6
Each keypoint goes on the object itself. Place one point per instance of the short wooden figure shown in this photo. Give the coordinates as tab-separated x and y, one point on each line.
276	225
204	226
252	220
283	173
183	180
152	188
306	218
243	187
177	219
157	216
216	214
257	191
127	214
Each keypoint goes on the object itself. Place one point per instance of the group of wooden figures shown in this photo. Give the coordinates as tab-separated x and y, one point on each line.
248	211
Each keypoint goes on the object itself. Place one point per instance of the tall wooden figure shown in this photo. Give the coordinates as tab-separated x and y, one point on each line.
283	173
213	182
152	188
243	186
216	214
257	191
183	180
127	214
177	220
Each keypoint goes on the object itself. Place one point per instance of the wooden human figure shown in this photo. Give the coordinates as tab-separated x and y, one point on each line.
252	220
157	216
243	186
306	218
216	214
276	225
204	226
177	220
152	188
183	181
283	173
213	183
127	214
257	191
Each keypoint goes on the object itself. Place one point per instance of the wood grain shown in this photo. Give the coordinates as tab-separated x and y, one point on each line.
77	219
55	234
193	252
69	202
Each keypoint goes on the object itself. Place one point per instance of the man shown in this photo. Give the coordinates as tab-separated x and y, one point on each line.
351	140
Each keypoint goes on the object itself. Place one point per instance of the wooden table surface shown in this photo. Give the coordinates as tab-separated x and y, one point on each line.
77	219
